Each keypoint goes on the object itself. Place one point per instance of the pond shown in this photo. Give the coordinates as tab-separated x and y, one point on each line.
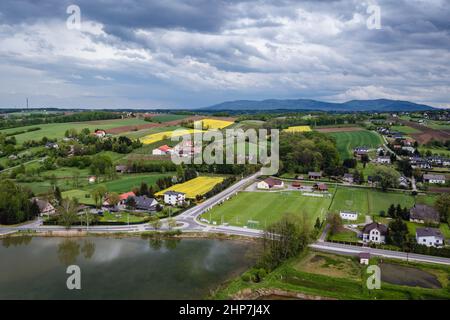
408	276
119	268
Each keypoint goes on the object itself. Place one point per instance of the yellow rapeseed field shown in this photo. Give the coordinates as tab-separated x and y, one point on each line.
298	129
155	137
194	187
216	124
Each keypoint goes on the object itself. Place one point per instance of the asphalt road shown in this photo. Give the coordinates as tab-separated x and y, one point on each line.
190	223
354	250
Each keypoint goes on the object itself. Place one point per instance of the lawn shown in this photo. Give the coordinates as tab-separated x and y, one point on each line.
127	182
405	129
267	207
371	202
57	130
124	217
83	197
194	187
344	236
436	151
168	117
347	141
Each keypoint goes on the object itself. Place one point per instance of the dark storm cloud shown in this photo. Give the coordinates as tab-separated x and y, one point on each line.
228	48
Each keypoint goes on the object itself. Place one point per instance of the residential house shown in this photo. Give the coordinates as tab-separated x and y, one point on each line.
297	185
374	232
174	198
430	237
360	152
122	169
92	179
348	215
409	149
187	149
270	183
422	213
348	177
434	178
364	258
403	182
124	197
100	133
384	160
315	175
145	203
51	145
321	187
45	207
162	151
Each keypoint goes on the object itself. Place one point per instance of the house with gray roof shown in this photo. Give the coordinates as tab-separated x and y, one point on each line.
374	232
422	213
430	237
434	178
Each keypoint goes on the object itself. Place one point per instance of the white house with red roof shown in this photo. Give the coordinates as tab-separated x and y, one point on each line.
162	151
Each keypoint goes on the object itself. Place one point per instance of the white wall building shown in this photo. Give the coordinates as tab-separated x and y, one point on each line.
429	237
346	215
174	198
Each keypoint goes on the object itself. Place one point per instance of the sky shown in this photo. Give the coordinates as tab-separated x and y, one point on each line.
192	54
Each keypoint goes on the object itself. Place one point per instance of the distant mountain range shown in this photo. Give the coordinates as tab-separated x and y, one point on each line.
379	105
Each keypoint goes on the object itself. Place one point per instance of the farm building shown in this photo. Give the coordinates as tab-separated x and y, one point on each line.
122	169
434	178
364	258
347	215
92	179
270	183
124	196
314	175
45	207
296	185
162	151
422	213
321	187
174	198
374	232
430	237
145	203
100	133
384	160
348	177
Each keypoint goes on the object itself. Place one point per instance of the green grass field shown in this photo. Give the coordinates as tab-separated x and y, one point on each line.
340	277
437	151
82	196
126	182
266	208
371	202
347	141
168	117
57	130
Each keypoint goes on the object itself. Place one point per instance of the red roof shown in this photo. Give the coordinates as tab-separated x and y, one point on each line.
125	196
165	148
